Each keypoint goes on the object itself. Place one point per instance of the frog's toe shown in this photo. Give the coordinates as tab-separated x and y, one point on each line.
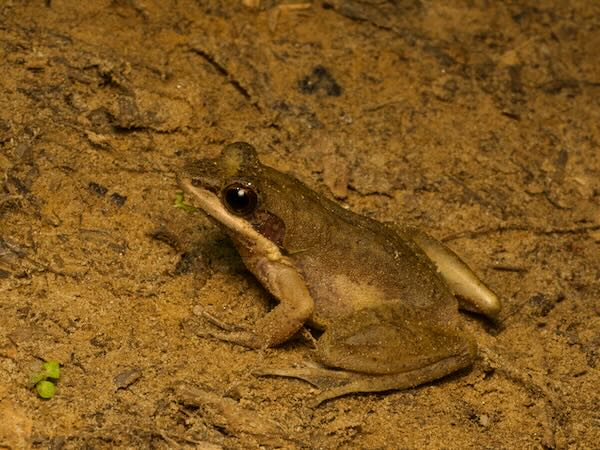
214	320
316	375
330	394
209	333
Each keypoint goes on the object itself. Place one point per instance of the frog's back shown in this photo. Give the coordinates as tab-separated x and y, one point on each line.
365	264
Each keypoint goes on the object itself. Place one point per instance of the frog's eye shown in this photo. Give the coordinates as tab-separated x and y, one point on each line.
240	199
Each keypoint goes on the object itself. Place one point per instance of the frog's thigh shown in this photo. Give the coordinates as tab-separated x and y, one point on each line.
388	341
391	356
475	296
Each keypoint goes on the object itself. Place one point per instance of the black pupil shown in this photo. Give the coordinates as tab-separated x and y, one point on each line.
240	199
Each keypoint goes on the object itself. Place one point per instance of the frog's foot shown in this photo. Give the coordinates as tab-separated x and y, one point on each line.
312	373
280	324
336	383
214	320
226	332
230	333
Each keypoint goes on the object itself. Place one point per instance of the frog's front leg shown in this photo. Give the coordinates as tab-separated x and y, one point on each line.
284	282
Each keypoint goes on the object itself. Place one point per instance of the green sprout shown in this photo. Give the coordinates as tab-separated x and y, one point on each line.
44	379
52	369
179	203
45	389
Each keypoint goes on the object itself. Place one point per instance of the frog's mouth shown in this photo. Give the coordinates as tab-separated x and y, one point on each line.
240	230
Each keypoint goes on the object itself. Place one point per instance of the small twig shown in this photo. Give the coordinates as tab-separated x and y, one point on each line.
10	198
509	228
509	268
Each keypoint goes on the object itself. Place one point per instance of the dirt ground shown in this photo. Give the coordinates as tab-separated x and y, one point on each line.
477	121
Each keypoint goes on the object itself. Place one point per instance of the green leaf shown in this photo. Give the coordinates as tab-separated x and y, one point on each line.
179	203
52	369
45	389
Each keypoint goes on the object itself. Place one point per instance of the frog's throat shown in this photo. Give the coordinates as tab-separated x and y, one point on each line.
240	228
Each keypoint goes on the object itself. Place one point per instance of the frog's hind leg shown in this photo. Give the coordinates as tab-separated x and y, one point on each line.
375	350
475	296
336	383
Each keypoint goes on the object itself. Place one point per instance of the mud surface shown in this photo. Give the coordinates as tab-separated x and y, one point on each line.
478	121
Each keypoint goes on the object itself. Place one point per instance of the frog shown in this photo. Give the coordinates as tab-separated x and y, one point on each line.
382	299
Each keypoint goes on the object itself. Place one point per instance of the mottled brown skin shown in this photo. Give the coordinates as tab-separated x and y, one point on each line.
380	293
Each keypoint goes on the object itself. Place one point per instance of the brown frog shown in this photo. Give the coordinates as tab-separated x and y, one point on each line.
383	296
